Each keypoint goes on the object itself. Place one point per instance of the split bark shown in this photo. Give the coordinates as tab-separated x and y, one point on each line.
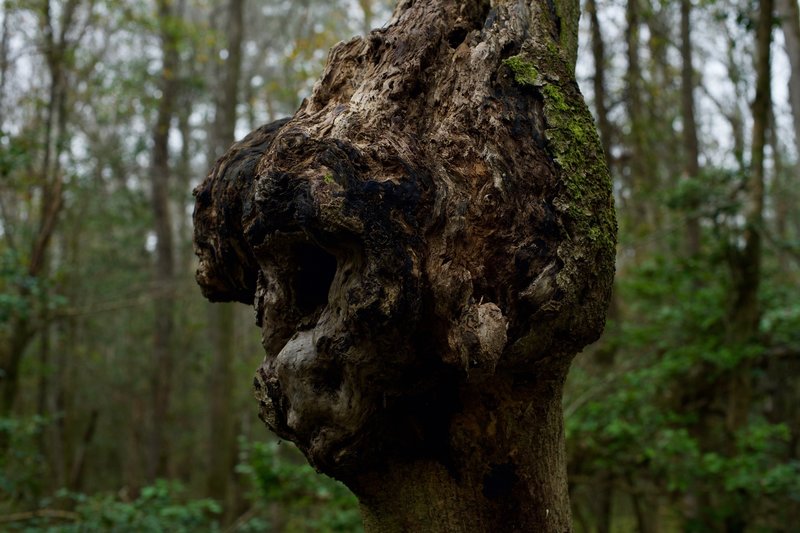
427	242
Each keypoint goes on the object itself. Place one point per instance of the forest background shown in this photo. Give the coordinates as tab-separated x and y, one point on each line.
125	398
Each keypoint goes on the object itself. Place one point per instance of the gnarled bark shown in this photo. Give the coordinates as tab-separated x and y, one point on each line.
427	242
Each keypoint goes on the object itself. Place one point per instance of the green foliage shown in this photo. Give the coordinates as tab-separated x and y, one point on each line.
663	416
159	507
22	467
312	502
13	278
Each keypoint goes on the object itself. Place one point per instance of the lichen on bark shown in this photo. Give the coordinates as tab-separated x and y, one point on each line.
427	242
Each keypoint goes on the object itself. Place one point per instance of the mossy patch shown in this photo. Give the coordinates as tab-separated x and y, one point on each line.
524	72
575	147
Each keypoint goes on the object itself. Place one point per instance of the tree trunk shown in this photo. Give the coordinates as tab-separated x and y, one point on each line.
790	24
640	175
499	486
690	143
366	10
222	453
50	181
599	80
746	268
744	314
428	242
161	380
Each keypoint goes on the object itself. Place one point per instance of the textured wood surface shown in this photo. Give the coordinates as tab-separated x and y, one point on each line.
427	243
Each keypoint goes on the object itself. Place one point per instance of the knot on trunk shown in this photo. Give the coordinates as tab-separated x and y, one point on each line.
416	229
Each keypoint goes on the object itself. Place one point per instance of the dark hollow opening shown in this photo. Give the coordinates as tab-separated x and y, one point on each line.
500	481
315	271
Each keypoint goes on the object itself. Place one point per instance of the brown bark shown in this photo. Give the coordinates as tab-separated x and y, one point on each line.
746	265
4	60
222	453
744	314
640	175
599	80
790	25
690	143
428	242
161	379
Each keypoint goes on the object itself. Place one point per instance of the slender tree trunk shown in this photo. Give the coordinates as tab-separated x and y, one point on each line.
222	452
640	175
744	314
606	353
160	172
690	143
599	81
4	63
22	329
366	10
790	24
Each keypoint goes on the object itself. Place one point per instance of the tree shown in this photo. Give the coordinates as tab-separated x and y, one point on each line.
428	241
790	24
57	45
162	372
690	142
222	452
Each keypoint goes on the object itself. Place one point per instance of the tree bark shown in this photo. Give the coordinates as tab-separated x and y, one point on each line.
428	242
161	379
744	314
222	453
599	80
639	173
690	143
790	25
746	268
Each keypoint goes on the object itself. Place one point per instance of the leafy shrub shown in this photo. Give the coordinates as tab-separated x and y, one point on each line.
309	501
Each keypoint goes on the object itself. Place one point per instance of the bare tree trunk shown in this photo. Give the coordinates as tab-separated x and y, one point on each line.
744	314
599	80
4	63
366	10
428	242
790	24
222	453
690	143
640	176
161	380
22	330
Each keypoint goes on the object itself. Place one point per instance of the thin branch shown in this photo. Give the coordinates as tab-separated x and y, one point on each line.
41	513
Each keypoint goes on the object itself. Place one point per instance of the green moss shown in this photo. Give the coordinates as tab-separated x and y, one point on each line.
328	178
554	98
575	146
524	72
569	13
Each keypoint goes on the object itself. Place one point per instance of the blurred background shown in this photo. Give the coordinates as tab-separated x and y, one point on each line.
125	398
